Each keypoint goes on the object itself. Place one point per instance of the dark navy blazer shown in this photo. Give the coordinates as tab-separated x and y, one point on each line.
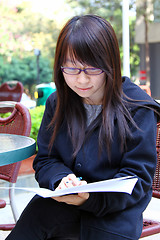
105	215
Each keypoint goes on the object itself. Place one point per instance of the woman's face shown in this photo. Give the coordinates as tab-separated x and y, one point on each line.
89	87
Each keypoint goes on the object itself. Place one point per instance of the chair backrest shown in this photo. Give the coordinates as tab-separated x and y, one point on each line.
156	180
19	123
11	91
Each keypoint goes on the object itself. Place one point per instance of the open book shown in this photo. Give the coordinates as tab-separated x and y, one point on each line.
123	185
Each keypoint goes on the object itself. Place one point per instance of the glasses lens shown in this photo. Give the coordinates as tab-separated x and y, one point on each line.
71	71
93	71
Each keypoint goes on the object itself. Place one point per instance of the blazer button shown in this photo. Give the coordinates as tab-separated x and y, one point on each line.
79	165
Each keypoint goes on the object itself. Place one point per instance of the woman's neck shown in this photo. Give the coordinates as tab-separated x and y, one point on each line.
90	102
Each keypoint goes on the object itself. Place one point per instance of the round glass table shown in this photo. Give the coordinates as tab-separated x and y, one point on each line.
14	148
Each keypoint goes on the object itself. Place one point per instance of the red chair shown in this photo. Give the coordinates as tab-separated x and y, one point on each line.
151	227
11	91
19	123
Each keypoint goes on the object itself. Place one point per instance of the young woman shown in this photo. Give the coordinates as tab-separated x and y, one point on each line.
98	125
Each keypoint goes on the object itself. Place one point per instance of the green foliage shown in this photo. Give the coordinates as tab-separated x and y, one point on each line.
23	30
36	118
134	49
110	10
25	70
5	115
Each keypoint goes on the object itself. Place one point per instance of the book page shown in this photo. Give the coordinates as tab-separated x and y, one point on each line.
123	185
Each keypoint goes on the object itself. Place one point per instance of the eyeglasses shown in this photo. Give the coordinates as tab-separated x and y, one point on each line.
76	71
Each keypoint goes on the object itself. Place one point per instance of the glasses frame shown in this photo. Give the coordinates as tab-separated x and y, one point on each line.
80	70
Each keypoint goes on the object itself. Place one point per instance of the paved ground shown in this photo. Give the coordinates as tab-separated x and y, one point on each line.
22	198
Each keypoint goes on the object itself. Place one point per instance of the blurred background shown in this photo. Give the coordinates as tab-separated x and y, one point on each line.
29	31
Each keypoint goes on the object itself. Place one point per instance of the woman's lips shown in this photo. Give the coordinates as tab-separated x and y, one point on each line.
84	89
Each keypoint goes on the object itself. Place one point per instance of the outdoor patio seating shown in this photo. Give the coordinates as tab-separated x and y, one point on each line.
19	123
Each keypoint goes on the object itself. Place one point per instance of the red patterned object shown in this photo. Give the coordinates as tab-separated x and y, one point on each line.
19	123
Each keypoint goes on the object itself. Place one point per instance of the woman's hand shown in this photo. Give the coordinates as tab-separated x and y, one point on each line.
73	199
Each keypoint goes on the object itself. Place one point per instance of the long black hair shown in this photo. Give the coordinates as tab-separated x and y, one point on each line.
91	40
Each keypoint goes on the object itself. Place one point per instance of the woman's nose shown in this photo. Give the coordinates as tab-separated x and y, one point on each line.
82	78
